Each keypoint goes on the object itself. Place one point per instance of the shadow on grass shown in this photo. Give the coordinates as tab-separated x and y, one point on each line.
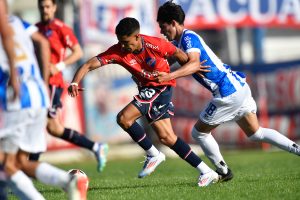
153	185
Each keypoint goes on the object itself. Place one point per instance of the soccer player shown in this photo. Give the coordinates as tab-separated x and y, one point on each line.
61	38
232	99
143	56
26	117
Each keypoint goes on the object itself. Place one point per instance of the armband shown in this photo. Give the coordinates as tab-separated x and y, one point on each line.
76	84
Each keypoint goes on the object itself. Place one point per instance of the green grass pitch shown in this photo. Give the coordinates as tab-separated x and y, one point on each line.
257	175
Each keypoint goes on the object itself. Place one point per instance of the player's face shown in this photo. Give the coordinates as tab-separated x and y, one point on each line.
47	10
130	43
168	30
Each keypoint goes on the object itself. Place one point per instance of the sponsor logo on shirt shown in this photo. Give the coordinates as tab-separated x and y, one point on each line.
151	62
155	47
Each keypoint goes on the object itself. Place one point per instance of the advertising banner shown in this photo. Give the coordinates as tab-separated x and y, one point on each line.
100	17
219	13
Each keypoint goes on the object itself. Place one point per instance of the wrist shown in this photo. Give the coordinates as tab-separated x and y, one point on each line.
74	83
60	66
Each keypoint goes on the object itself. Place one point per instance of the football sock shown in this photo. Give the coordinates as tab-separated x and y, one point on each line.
75	138
203	168
34	156
51	175
23	187
153	151
210	148
138	134
275	138
185	152
3	192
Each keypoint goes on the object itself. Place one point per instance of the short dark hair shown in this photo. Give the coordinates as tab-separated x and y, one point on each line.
170	11
53	1
127	26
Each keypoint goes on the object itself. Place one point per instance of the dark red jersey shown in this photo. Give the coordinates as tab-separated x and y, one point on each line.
60	37
143	65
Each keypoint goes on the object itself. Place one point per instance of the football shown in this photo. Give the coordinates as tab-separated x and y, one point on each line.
81	175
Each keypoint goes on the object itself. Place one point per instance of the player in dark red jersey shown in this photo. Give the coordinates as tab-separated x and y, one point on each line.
143	56
61	38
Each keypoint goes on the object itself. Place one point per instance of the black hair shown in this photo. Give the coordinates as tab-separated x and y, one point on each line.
170	11
53	1
127	26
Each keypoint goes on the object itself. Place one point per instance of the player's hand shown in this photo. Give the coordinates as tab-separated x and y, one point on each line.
14	85
200	69
73	90
53	69
162	77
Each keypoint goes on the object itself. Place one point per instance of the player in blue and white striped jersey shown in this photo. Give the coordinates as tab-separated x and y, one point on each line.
232	99
24	119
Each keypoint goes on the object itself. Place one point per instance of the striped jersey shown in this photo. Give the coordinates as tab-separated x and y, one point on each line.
33	92
221	80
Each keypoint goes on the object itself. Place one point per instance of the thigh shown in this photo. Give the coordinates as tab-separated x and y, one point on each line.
129	113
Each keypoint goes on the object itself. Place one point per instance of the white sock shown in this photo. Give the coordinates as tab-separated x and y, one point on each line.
95	147
275	138
23	187
210	148
203	168
51	175
153	151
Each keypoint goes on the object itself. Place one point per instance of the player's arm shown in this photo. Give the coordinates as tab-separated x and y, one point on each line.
192	65
90	65
75	55
6	34
43	53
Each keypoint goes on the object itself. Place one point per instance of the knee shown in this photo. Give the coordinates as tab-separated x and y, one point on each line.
123	121
197	135
54	128
10	168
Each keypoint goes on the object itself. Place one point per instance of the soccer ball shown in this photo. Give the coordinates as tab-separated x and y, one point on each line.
81	175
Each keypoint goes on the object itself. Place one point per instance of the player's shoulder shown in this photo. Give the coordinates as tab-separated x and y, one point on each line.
153	42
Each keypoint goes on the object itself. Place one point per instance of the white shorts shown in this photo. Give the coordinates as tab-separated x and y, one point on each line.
26	129
230	108
11	131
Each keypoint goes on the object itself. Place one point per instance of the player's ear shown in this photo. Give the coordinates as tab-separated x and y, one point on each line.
137	36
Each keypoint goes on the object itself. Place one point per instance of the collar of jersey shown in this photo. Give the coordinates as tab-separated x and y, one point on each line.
143	46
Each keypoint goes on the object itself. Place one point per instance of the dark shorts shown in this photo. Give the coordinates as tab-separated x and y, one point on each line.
154	102
55	100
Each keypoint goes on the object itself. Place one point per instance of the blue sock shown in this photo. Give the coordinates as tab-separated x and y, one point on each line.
138	134
3	184
75	138
185	152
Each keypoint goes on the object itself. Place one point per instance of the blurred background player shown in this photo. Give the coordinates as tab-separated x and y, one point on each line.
20	184
143	56
232	99
26	116
62	38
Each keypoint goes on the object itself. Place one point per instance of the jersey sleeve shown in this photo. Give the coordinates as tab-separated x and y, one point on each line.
168	49
191	43
69	38
110	56
30	29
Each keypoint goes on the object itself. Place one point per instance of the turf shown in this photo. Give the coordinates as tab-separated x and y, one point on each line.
257	175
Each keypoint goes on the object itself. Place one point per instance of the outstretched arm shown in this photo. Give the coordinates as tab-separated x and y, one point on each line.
90	65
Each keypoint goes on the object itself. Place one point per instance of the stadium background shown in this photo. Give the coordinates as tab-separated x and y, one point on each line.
259	37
